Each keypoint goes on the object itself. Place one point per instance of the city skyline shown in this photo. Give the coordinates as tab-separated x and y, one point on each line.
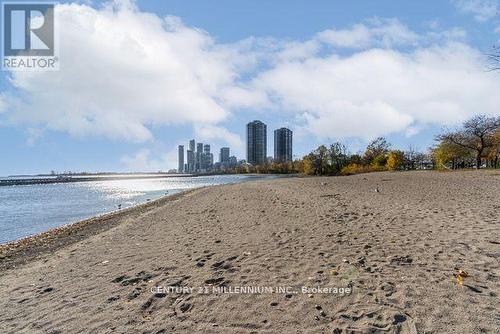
202	160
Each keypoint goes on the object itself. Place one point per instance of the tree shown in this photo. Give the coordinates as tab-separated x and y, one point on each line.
355	159
377	149
446	152
395	160
308	164
320	161
493	153
476	135
337	157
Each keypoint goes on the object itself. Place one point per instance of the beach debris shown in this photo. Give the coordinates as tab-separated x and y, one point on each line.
49	289
323	183
377	190
247	253
460	275
105	262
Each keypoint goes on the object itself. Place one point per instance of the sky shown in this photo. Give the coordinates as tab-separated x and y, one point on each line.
138	78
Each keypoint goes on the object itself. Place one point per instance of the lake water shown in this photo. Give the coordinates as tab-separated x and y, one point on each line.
30	209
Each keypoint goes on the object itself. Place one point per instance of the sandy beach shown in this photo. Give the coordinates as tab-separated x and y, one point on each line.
370	253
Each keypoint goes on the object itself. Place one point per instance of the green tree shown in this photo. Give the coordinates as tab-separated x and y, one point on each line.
376	150
337	157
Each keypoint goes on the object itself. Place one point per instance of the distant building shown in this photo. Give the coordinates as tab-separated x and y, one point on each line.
233	161
180	169
283	145
190	161
256	143
199	158
206	149
207	158
224	156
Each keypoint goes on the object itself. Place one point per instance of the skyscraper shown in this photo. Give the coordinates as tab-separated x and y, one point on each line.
224	156
180	169
256	143
199	157
207	158
283	145
190	161
190	157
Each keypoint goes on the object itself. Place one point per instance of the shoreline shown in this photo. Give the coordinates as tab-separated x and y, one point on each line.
8	246
33	247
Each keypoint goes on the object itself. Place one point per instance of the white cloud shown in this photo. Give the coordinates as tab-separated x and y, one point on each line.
33	135
145	161
214	133
482	10
380	91
122	70
377	33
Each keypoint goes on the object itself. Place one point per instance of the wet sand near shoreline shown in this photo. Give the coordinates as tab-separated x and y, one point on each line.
397	248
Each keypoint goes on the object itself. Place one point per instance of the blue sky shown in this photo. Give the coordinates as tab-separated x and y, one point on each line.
139	78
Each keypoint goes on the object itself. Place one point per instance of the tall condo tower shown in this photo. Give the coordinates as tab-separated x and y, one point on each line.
256	143
283	145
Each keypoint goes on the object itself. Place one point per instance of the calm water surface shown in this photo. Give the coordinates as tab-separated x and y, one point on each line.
31	209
